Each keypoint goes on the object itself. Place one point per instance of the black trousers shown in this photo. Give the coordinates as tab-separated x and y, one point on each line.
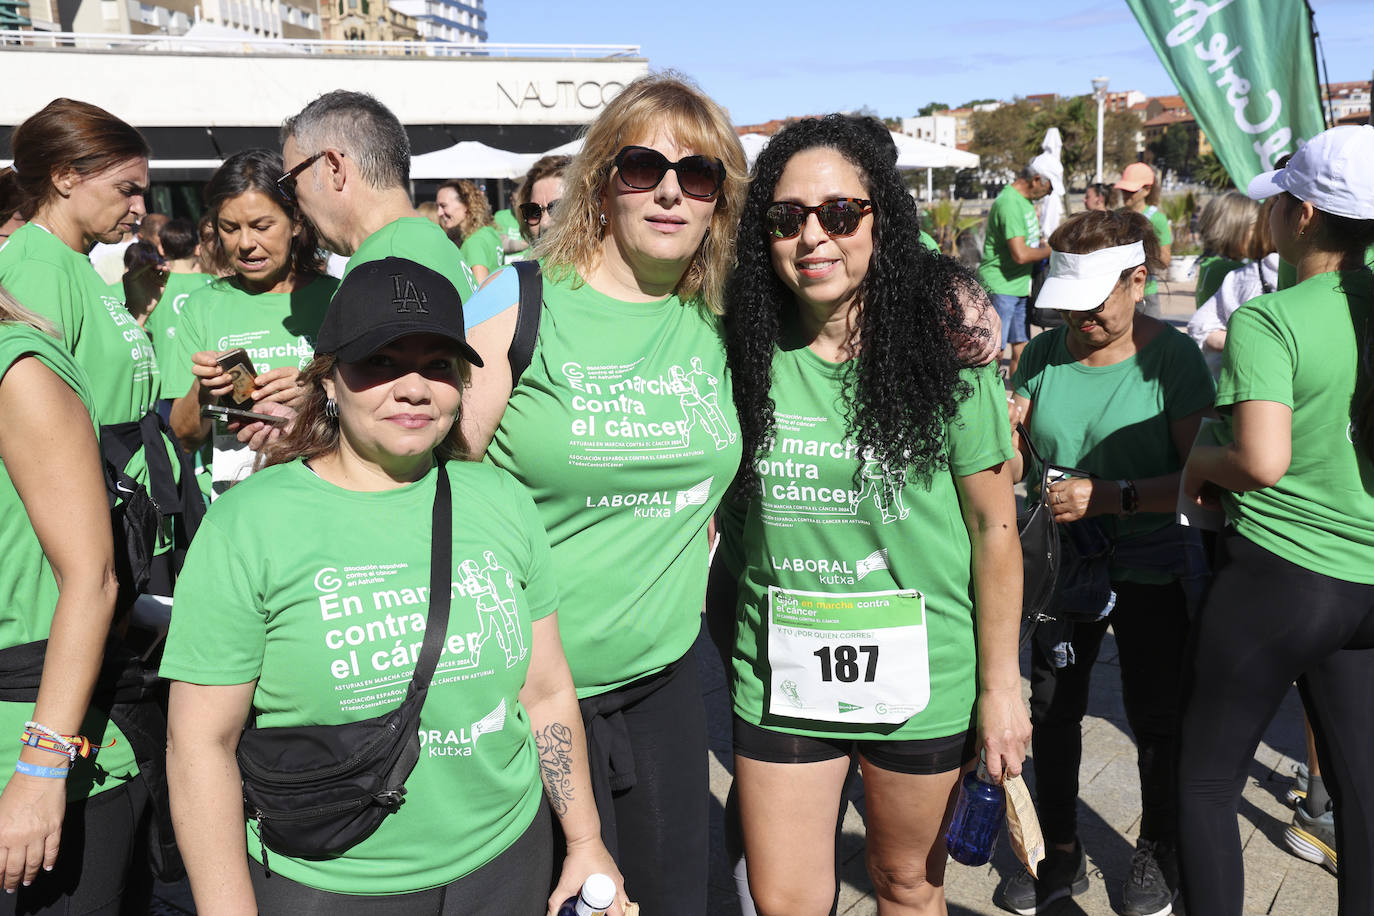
98	844
1151	627
646	743
1266	623
515	883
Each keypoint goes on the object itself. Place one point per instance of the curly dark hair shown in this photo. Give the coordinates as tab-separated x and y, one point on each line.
904	387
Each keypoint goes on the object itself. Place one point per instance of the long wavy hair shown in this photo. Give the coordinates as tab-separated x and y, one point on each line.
904	385
474	201
314	433
664	102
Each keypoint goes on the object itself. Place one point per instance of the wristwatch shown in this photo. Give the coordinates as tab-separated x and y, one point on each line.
1130	499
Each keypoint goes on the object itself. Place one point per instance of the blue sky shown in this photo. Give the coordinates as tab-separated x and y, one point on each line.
772	59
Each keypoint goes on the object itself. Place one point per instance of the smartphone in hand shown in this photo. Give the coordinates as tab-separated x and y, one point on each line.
242	374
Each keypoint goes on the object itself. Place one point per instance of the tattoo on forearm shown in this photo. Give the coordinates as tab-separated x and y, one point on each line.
555	745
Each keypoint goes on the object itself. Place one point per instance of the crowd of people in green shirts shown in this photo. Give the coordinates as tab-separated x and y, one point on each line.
773	356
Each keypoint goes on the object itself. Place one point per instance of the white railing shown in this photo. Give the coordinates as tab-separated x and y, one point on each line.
297	47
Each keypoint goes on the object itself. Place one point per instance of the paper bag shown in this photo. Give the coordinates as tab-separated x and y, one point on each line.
1023	826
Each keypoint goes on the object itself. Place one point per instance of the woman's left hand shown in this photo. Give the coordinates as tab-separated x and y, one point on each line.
1073	498
31	812
587	858
280	386
1004	731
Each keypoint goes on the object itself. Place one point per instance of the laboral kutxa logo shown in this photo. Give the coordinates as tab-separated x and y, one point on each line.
654	503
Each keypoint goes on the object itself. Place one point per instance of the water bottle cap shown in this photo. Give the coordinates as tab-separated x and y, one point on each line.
598	891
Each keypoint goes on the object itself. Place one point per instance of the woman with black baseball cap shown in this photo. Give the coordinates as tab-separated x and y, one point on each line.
326	630
1293	597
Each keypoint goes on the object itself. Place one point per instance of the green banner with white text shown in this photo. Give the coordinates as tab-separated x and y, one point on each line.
1246	70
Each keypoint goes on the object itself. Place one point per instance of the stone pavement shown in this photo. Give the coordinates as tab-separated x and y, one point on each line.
1109	799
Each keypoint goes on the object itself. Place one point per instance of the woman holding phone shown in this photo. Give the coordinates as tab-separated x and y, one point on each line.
326	630
269	309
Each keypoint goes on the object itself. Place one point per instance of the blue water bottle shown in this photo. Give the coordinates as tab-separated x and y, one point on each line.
598	893
978	817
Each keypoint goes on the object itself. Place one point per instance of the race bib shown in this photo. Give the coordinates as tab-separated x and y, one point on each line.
857	657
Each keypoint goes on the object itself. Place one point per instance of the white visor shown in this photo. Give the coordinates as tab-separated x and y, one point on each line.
1082	282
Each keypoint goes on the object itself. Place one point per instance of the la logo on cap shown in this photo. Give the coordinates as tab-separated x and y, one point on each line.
405	296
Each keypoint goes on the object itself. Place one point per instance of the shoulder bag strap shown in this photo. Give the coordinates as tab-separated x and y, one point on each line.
526	318
1035	453
440	584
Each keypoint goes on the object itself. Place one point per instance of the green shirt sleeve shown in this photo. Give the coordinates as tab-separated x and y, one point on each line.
219	627
1033	359
1162	230
50	292
1257	364
483	249
540	585
980	435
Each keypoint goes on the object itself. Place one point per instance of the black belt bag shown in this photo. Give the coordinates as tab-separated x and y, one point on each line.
318	790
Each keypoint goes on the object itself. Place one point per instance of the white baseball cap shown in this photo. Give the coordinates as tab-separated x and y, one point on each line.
1082	282
1334	172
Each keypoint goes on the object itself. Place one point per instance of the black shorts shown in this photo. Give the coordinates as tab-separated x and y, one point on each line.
919	757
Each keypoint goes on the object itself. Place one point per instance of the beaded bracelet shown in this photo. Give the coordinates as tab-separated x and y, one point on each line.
58	739
30	769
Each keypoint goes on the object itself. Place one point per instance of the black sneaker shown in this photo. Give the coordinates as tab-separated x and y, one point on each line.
1062	874
1153	884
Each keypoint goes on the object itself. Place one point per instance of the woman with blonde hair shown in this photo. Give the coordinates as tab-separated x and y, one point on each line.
623	428
1226	225
465	214
1257	275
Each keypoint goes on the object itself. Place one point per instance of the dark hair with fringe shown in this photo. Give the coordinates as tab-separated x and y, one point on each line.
258	170
904	387
68	134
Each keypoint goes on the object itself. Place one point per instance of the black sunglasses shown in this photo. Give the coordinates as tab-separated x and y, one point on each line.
642	168
286	184
532	212
839	217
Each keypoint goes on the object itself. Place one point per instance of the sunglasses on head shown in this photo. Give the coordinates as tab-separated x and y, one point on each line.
286	184
642	168
839	217
532	212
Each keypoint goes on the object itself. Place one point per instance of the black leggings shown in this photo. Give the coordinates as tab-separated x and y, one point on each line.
512	884
1151	627
646	743
1266	623
98	837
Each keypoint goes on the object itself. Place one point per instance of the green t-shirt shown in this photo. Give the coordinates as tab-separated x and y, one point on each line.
277	329
928	242
417	239
1211	270
1160	223
1012	216
1113	421
507	224
26	581
1307	347
162	324
61	285
330	628
624	430
483	249
855	613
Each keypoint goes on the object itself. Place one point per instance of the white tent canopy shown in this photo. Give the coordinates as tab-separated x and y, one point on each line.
915	153
471	159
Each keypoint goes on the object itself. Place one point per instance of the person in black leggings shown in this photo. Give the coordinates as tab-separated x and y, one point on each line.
1294	593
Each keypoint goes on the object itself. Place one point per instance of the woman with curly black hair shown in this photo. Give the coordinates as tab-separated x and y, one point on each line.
873	538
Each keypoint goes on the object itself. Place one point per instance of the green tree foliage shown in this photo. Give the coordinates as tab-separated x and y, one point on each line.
1176	149
1009	137
1209	171
930	108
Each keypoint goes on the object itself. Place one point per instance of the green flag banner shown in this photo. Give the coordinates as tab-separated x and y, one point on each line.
1246	71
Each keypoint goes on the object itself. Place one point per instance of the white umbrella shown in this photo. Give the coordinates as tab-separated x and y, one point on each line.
471	159
1052	207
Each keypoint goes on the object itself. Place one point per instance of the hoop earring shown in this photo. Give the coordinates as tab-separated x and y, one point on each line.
604	221
331	409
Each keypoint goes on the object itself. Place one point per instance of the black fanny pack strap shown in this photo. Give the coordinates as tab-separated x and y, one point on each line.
440	586
526	318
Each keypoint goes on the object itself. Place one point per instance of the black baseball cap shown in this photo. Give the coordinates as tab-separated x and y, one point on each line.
382	301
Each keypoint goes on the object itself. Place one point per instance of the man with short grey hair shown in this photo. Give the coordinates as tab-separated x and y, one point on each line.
347	160
1011	247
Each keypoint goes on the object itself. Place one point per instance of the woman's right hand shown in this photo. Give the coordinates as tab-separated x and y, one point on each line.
214	381
586	858
31	812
